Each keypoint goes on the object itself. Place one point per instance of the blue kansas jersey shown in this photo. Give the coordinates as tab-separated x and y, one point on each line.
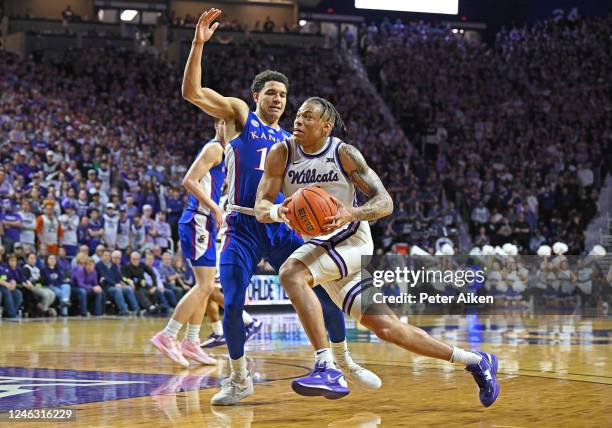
245	156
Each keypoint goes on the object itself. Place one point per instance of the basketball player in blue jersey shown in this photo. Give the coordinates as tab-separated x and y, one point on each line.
198	228
333	259
250	136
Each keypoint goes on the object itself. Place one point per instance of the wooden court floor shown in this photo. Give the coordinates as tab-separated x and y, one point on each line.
554	371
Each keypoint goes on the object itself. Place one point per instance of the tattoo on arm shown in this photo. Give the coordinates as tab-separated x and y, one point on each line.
379	202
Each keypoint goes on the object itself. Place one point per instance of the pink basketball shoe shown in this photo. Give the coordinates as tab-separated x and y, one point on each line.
168	346
193	351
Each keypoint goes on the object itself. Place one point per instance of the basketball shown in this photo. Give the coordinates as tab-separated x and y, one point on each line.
308	209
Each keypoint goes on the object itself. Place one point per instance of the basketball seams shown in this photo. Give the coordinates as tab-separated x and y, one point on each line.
293	216
325	196
314	216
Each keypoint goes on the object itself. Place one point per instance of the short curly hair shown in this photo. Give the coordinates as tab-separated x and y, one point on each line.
268	76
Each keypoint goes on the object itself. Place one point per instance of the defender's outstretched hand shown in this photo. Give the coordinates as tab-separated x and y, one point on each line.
204	30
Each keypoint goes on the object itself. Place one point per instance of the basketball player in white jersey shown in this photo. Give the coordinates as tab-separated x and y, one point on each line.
313	157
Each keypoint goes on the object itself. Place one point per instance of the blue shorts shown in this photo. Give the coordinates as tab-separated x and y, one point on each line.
247	241
198	238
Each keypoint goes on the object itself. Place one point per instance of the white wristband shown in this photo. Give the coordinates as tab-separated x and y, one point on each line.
274	213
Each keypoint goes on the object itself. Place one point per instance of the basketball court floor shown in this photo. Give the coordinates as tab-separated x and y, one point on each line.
554	371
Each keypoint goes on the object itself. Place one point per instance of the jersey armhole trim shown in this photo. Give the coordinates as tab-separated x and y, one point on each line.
288	161
337	157
245	129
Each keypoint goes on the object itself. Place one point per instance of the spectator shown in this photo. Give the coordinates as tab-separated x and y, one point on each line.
268	25
139	234
27	234
149	225
170	277
6	188
67	14
69	223
111	223
166	295
11	297
145	294
185	277
32	280
48	228
95	230
11	223
163	231
124	226
87	288
97	255
114	285
54	277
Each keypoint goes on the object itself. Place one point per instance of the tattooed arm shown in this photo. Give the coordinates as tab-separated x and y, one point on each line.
379	202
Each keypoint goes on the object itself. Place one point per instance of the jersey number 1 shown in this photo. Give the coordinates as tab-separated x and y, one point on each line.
262	161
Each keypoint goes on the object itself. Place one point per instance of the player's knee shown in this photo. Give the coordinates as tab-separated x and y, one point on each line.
233	309
292	273
203	291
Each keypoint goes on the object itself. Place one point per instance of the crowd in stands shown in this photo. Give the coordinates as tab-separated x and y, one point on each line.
92	150
94	144
40	283
266	25
518	134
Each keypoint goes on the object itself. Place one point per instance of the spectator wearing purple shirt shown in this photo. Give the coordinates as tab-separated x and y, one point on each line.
95	230
86	288
174	208
130	208
11	297
11	222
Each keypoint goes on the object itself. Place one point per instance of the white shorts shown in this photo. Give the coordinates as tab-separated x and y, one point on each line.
334	260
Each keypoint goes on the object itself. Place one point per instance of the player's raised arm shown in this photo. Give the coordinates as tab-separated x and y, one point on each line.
211	155
214	104
379	204
270	186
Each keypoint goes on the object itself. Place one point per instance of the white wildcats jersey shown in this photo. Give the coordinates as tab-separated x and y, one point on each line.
111	225
322	169
70	225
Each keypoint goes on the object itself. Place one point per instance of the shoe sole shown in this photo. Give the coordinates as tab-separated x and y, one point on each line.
212	345
233	402
494	366
309	391
191	357
161	348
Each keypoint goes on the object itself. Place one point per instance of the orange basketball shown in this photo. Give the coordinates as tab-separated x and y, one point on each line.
308	209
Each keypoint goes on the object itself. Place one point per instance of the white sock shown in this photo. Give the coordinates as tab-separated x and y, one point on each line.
193	332
239	367
172	328
462	356
341	353
324	355
217	327
246	318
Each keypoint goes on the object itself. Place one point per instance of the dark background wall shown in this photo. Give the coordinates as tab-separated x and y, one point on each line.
494	13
